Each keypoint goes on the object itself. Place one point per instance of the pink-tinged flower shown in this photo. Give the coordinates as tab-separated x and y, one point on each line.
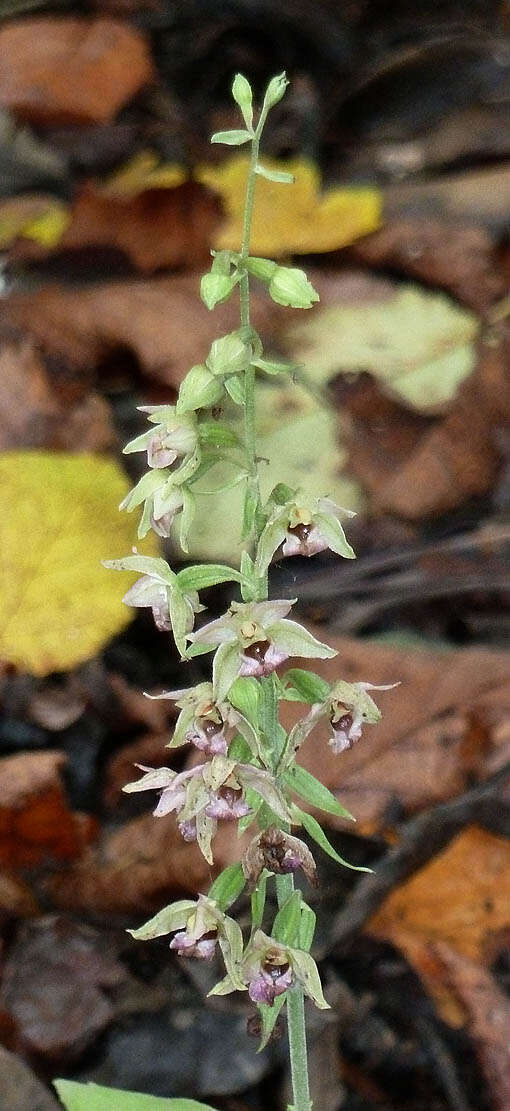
174	436
147	592
269	969
301	526
207	793
348	707
227	804
254	638
188	944
272	978
208	725
198	926
172	608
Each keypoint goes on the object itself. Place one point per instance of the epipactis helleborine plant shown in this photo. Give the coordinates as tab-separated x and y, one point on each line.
247	771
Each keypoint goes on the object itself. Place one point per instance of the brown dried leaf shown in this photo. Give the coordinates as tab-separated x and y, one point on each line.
162	322
33	415
71	70
55	985
21	1088
458	257
139	866
469	881
35	820
414	755
488	1019
155	229
414	468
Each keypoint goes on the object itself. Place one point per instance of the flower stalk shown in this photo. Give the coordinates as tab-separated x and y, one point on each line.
247	772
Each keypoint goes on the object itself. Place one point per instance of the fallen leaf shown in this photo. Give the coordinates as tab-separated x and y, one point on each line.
35	820
447	467
460	897
291	425
21	1088
137	867
144	171
487	1010
161	322
413	757
16	898
58	518
56	985
38	218
71	70
419	346
290	219
460	258
154	228
34	413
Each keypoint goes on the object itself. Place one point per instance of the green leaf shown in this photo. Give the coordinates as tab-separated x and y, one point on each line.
306	927
274	175
228	886
203	575
287	921
216	288
243	96
258	900
268	1018
251	499
226	665
273	366
244	695
316	831
157	568
235	387
308	686
309	788
93	1097
232	138
240	750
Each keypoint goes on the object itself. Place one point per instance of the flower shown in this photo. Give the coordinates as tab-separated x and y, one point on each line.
351	708
198	926
207	793
301	526
270	968
175	435
253	639
280	853
348	708
159	589
202	722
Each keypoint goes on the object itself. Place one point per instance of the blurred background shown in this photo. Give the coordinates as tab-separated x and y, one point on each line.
396	125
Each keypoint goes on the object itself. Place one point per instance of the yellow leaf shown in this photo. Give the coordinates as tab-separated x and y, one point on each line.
39	218
143	171
58	519
290	219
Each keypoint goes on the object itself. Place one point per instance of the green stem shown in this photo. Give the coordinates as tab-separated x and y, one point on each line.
244	286
284	884
296	1023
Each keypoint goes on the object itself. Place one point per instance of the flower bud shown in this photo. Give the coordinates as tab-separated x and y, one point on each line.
289	286
275	91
